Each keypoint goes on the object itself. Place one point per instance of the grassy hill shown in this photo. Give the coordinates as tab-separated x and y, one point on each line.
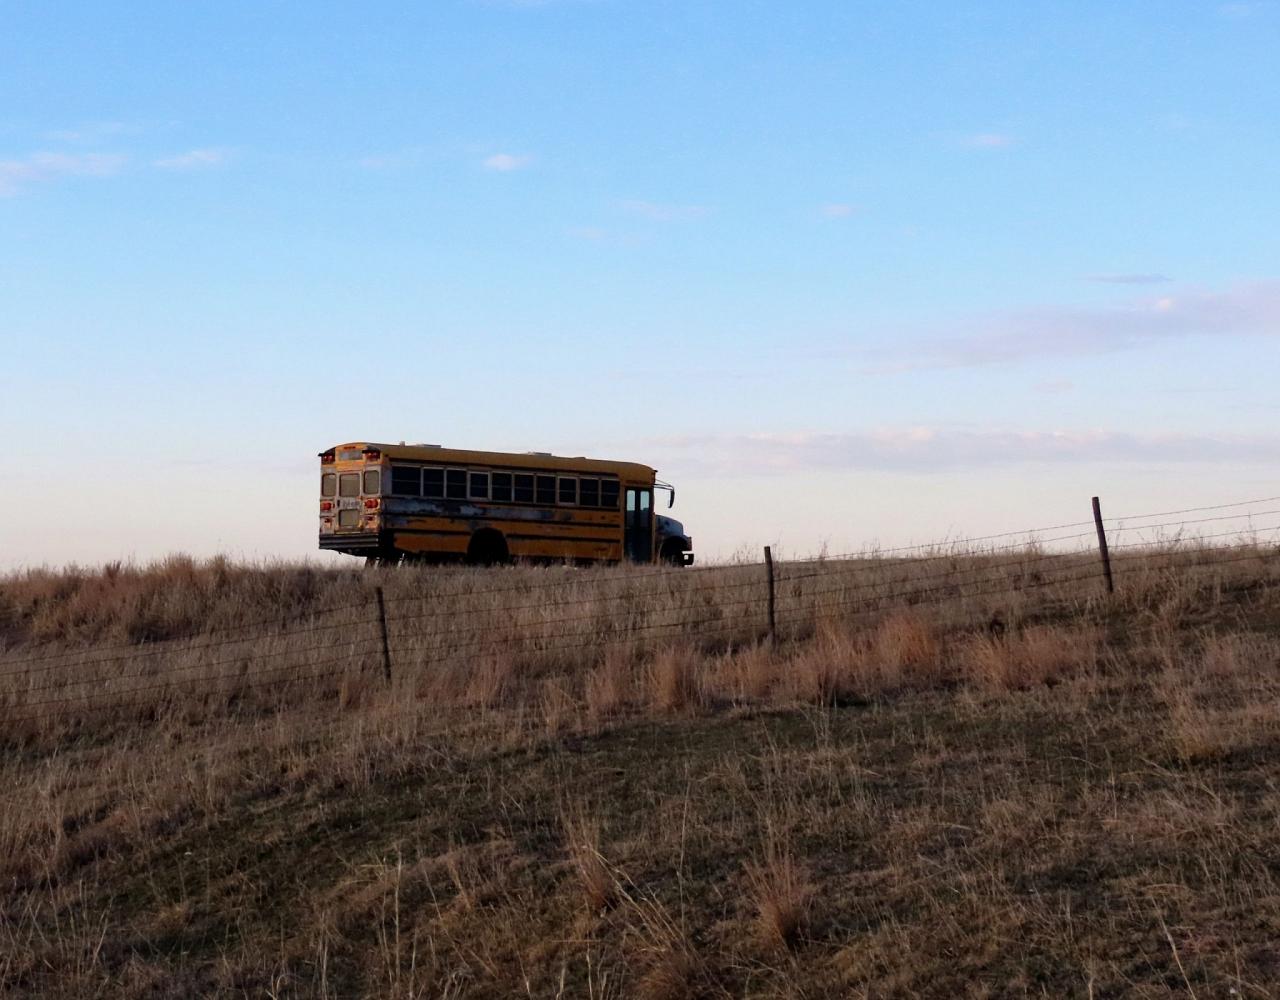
955	774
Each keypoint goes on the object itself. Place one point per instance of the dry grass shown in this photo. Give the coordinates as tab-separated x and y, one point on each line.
582	843
674	684
781	892
1033	788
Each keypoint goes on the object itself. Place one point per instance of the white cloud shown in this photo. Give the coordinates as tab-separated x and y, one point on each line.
838	210
930	449
663	212
16	174
195	159
506	162
92	132
989	140
1246	8
1066	331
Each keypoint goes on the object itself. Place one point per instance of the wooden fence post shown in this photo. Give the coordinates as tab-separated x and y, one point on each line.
768	569
386	644
1102	546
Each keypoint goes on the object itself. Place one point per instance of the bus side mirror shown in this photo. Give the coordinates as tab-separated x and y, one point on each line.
671	502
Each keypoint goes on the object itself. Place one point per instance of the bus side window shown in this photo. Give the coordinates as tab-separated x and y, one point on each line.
406	480
609	493
502	487
567	490
478	488
524	488
589	492
455	484
546	490
433	483
349	484
328	485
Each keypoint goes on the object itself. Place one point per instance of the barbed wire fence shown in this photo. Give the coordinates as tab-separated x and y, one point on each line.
393	636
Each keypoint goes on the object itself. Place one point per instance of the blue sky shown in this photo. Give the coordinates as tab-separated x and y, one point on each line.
847	272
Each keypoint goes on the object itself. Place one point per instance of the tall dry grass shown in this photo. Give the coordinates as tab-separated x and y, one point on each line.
490	656
83	649
524	664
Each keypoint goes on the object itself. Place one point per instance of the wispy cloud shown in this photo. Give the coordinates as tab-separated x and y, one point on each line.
989	140
657	211
194	159
931	449
1244	8
1128	279
17	174
838	210
92	132
1065	331
506	162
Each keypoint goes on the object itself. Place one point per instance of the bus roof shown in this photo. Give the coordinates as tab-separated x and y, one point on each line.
632	471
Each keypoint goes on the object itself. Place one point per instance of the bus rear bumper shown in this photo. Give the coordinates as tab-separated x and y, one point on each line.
356	543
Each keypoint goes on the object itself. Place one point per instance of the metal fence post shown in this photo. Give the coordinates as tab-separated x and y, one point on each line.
768	569
386	643
1102	546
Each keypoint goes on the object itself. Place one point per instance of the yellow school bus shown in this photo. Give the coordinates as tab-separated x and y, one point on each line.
393	502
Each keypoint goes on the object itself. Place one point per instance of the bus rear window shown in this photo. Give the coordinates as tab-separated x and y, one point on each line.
349	484
328	485
372	482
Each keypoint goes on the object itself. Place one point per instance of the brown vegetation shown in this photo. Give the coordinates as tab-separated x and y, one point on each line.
951	775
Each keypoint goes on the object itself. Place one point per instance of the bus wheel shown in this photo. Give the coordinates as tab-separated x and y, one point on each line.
487	548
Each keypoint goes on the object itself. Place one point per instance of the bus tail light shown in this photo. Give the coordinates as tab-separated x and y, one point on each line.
372	503
371	454
326	505
326	457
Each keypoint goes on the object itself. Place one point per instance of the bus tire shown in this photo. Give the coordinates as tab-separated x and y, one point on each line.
487	548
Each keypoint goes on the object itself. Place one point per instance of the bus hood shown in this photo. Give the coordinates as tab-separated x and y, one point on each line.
669	527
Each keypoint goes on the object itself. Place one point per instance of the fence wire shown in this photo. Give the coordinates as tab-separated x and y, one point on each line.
642	608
